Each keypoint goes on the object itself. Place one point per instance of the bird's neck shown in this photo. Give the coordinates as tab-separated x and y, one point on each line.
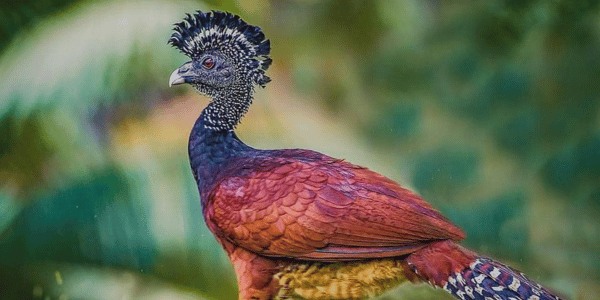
227	108
213	143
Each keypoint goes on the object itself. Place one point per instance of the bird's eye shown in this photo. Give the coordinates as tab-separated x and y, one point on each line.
208	63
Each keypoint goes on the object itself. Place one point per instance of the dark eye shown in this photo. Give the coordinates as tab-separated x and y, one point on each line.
208	63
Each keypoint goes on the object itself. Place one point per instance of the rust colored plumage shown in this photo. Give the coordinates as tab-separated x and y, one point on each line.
321	209
300	224
307	206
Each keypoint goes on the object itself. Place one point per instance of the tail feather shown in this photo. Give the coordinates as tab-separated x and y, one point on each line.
466	275
488	279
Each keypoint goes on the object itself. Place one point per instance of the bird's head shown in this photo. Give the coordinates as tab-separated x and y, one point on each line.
225	53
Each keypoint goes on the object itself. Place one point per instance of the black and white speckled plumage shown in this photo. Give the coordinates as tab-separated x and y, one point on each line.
228	34
241	54
486	279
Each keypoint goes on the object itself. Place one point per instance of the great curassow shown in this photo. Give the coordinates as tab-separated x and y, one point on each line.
300	224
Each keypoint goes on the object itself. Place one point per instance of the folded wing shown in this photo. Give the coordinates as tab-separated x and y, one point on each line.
322	209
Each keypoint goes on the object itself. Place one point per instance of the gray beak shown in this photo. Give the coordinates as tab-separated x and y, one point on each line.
182	75
175	78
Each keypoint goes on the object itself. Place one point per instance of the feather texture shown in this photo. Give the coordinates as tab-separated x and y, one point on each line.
487	279
466	275
320	208
227	33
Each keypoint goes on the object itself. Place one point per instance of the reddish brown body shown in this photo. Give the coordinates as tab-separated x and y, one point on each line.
302	205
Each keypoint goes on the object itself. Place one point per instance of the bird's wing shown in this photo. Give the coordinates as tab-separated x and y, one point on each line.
326	210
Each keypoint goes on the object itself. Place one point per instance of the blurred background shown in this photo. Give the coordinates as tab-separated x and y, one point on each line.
490	110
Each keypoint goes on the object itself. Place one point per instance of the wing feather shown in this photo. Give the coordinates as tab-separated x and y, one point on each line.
322	209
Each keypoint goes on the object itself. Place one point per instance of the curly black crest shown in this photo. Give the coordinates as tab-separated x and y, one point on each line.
244	44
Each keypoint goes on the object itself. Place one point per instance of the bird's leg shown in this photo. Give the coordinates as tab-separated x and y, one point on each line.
255	274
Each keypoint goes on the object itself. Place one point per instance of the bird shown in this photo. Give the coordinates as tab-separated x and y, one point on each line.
298	224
